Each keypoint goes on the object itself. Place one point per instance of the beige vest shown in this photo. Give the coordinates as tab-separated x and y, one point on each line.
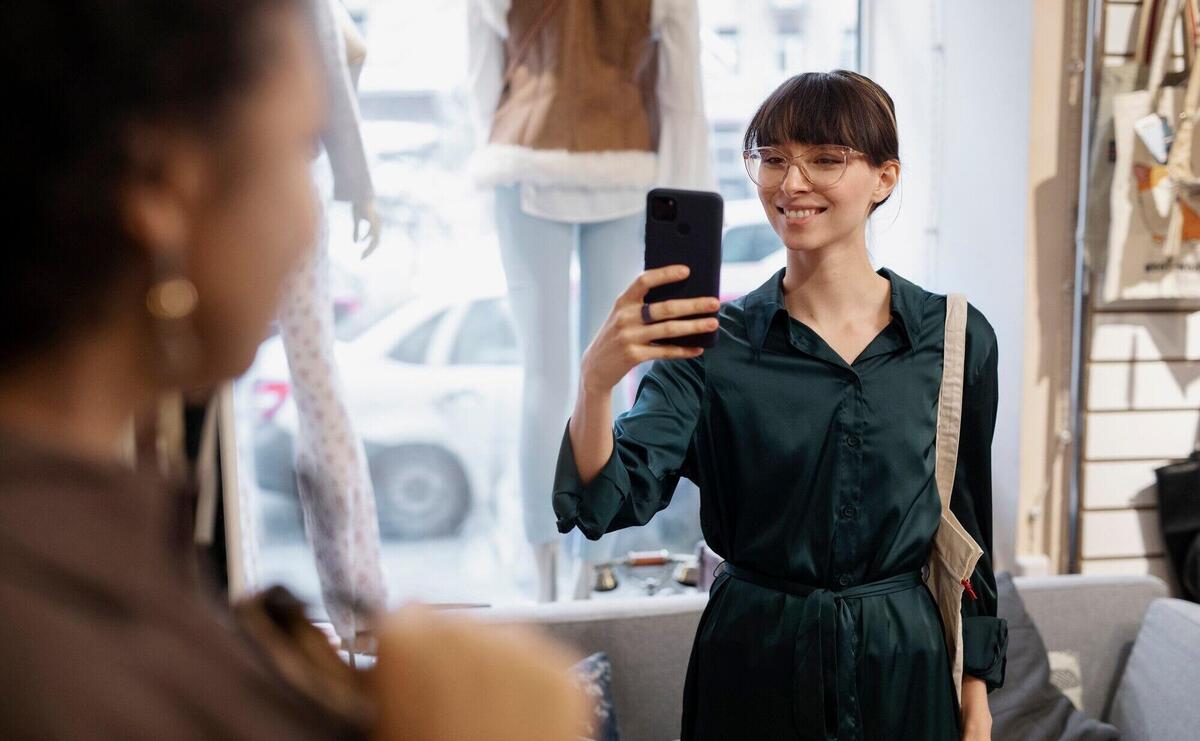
954	553
586	82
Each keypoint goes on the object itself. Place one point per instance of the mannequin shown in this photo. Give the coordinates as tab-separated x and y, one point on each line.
362	209
336	495
571	161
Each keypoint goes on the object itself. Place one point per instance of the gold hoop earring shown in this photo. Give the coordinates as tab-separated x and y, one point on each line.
171	301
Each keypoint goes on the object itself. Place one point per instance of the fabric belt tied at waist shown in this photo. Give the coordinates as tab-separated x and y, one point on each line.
824	693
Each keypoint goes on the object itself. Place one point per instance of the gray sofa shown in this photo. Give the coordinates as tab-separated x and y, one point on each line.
1148	687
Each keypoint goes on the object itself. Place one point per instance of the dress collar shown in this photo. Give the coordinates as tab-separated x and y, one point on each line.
764	302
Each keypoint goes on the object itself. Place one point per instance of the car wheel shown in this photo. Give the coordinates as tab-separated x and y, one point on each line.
420	492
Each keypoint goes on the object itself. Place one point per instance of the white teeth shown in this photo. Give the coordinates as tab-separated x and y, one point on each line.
802	214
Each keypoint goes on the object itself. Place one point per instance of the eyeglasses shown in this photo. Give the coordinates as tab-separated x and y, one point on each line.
823	166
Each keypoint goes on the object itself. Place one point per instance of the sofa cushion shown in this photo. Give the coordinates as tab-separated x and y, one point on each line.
1029	707
1157	696
1094	618
648	641
593	675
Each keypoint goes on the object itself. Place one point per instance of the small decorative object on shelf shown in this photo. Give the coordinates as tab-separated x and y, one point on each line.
606	578
682	568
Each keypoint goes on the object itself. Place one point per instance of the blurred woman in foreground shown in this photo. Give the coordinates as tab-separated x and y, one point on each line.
159	195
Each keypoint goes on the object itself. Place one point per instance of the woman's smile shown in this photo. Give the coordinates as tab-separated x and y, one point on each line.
799	216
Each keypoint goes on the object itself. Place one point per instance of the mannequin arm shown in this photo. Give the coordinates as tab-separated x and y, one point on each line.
365	211
342	136
356	45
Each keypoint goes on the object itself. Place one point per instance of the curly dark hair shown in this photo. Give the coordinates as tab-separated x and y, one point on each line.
838	107
81	76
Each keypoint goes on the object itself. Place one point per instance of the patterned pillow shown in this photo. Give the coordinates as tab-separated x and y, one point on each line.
593	675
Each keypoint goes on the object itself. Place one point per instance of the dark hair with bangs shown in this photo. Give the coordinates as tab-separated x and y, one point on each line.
838	107
91	72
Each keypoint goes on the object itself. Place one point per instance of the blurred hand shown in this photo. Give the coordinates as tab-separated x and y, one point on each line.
625	339
365	211
443	677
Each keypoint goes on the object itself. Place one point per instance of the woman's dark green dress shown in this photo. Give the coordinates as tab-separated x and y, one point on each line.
817	486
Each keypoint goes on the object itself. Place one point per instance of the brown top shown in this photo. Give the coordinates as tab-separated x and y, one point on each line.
586	82
105	632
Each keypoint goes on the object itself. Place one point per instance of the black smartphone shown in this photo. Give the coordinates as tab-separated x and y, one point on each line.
683	227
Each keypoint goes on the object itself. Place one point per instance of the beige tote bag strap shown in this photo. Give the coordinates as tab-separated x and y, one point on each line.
1179	162
1145	33
1162	49
951	397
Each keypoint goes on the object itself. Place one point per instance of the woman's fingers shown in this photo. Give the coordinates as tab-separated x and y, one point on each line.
636	292
625	339
672	352
646	353
681	307
673	328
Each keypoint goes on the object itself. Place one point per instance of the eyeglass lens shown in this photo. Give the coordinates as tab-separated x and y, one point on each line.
821	166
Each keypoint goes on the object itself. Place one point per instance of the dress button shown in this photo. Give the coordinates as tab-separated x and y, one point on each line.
849	511
844	580
853	440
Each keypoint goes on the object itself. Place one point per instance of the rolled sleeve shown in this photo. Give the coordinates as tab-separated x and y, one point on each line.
651	445
985	636
985	648
590	507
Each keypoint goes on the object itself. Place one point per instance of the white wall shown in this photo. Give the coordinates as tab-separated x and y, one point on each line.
959	72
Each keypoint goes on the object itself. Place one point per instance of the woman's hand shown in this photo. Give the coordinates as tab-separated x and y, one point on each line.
976	715
441	677
625	339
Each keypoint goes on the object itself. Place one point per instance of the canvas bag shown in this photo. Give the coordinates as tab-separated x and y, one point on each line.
1154	232
954	554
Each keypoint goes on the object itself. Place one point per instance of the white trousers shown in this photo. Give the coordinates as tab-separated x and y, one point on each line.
537	261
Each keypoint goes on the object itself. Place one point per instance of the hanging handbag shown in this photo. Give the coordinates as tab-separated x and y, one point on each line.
1179	517
1189	575
955	553
1154	233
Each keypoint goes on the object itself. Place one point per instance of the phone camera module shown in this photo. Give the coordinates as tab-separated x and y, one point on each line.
663	208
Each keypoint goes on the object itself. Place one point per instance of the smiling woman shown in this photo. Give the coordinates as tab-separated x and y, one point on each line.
831	461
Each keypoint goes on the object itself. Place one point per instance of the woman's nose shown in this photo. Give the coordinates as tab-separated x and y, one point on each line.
794	180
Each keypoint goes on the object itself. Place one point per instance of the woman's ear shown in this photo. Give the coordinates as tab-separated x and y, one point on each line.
889	177
164	192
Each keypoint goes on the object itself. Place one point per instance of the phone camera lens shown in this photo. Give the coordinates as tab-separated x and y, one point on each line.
663	208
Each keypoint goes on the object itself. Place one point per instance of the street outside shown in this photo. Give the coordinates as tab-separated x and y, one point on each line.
488	563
